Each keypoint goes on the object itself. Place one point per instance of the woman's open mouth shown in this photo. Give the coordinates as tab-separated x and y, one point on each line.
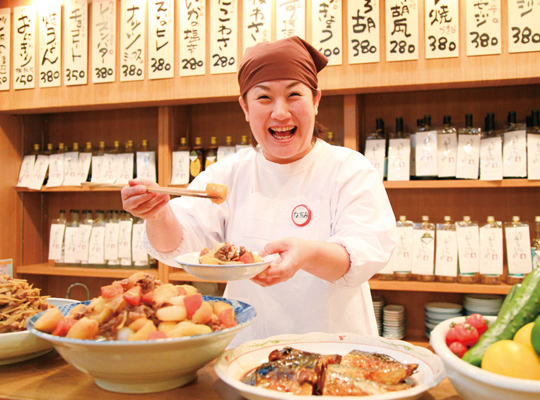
283	133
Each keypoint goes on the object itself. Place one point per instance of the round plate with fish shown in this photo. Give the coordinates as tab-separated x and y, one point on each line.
413	369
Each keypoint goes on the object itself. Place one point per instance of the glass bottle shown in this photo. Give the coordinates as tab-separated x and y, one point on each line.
89	149
36	150
446	226
514	278
227	150
139	264
182	146
469	128
129	149
74	223
447	149
116	148
403	252
62	148
424	152
61	220
99	221
467	277
211	153
330	138
88	222
376	148
243	143
125	262
535	122
399	154
535	243
196	159
429	229
493	240
112	218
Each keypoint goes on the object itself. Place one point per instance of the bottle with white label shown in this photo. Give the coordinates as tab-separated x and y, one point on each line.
402	254
491	252
124	247
61	220
211	153
423	268
70	238
516	235
535	243
139	256
468	151
180	163
196	159
86	223
491	159
446	251
425	151
447	149
399	153
375	150
227	150
99	224
112	218
514	148
468	249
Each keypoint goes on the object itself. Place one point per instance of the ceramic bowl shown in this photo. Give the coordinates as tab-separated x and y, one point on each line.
473	383
149	365
232	365
22	346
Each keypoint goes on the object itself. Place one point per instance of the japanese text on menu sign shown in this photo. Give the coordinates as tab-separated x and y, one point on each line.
290	18
483	27
192	37
160	39
76	42
24	44
103	41
50	53
257	22
442	28
5	48
326	27
523	26
364	31
401	30
132	40
223	36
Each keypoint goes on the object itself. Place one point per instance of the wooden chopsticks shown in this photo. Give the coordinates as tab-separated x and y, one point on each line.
164	190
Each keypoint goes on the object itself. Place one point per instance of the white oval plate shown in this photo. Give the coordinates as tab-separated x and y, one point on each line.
229	272
234	363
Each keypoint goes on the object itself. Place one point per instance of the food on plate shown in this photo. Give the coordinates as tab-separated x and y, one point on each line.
357	373
140	308
19	300
227	253
217	193
522	308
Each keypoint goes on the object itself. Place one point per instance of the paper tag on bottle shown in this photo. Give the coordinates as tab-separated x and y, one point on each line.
468	156
98	169
70	244
124	239
56	240
533	156
447	155
491	166
518	249
180	168
146	165
38	173
375	152
26	171
446	258
111	240
515	154
71	169
125	167
423	251
491	251
224	152
399	157
56	170
403	252
138	252
97	246
83	166
426	153
110	168
468	239
83	242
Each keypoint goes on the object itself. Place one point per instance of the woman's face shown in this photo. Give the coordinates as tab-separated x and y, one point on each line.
281	115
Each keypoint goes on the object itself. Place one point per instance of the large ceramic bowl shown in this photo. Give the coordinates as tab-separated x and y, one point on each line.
149	365
22	346
234	363
473	383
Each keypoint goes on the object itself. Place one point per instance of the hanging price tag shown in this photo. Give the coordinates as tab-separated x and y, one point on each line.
363	26
442	28
523	26
402	36
483	27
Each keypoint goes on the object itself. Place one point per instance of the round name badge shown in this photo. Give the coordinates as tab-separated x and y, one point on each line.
301	215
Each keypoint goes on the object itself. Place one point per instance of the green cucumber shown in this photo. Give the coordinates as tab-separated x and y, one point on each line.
508	299
522	308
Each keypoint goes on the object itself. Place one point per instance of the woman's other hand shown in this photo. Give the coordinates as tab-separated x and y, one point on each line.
137	200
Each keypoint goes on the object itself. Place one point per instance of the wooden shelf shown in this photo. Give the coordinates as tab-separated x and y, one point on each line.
66	189
460	184
438	287
52	270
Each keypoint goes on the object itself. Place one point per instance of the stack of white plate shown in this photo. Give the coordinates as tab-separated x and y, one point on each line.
378	304
485	304
437	312
394	321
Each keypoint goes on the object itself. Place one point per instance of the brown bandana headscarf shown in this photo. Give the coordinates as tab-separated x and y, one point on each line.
291	58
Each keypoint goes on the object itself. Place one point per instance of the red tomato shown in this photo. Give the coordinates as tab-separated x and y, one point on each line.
110	291
157	335
478	321
467	334
133	295
148	297
64	326
192	303
226	317
458	348
247	258
451	335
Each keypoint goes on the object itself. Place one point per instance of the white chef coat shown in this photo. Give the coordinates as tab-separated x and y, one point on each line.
348	205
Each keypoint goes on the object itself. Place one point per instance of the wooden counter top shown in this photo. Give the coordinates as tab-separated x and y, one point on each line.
49	377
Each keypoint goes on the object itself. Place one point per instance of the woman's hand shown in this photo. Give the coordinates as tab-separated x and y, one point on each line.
328	261
137	200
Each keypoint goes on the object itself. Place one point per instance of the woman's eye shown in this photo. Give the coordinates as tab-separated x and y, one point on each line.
294	94
263	96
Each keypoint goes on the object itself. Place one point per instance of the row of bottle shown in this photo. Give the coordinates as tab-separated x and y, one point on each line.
463	251
468	152
111	240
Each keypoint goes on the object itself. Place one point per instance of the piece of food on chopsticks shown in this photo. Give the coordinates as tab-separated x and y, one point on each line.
357	373
227	253
18	301
140	308
217	193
